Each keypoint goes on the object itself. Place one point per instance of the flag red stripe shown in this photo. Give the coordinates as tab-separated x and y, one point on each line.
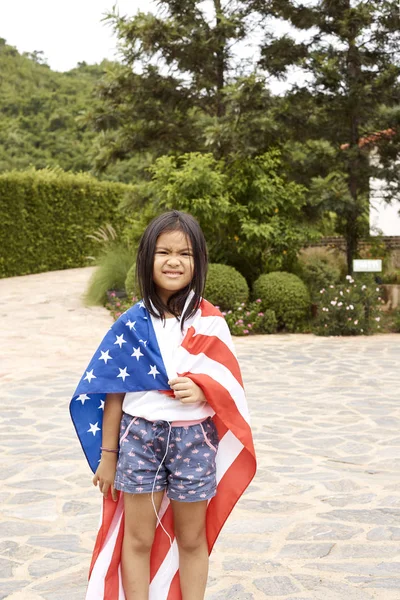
213	348
230	488
220	399
175	589
109	509
209	310
220	425
111	583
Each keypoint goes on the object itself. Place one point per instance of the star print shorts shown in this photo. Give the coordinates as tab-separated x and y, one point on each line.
178	459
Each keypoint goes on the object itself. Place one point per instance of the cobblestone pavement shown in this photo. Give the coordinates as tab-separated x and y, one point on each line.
320	521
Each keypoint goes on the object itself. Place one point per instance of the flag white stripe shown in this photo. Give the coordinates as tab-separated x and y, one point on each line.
121	593
95	590
215	327
228	451
202	365
161	582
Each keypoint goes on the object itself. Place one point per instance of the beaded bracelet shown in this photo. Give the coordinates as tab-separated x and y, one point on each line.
109	450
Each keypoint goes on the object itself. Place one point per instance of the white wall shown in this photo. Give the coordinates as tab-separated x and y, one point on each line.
383	218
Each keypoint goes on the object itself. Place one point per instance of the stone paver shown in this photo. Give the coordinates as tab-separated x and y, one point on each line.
320	521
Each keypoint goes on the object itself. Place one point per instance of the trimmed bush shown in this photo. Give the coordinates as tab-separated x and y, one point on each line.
47	215
225	287
287	296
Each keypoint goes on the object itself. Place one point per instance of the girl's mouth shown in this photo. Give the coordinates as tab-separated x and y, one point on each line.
172	274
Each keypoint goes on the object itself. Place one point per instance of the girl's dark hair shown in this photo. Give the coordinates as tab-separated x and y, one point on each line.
173	220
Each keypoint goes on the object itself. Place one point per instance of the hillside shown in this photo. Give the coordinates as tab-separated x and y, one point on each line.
41	112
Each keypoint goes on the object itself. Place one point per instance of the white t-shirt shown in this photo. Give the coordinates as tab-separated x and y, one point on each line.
153	405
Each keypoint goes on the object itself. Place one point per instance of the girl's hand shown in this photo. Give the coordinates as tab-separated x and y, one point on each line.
186	390
105	475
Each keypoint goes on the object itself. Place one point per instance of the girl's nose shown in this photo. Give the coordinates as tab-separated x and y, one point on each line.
173	261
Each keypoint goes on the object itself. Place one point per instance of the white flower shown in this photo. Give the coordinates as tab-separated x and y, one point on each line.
348	277
340	304
364	287
355	322
332	286
348	291
377	289
341	293
351	307
321	291
377	319
333	302
347	307
349	319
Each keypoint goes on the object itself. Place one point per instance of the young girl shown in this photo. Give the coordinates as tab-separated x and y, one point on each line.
173	451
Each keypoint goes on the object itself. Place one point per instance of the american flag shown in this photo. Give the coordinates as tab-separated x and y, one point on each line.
129	360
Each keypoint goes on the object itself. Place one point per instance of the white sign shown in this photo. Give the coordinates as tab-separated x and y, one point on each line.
367	266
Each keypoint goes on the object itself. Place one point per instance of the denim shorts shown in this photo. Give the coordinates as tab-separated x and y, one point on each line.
156	456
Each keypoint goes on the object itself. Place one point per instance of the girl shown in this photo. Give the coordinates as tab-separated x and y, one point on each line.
168	381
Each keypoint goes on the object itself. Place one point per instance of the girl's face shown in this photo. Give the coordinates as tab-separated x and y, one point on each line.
173	263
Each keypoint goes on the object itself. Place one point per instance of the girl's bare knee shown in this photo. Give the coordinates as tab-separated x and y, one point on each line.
191	542
138	544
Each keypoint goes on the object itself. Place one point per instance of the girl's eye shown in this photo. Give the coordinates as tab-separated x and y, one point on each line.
186	254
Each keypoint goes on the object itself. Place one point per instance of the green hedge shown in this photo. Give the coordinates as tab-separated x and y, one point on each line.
45	217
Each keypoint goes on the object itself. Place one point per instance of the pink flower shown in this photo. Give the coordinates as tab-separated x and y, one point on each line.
112	294
247	313
249	325
245	331
260	314
258	300
118	304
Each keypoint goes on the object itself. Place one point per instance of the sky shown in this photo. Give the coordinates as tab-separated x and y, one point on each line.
67	32
73	31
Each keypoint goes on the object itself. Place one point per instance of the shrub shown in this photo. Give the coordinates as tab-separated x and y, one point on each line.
117	306
396	321
225	287
113	266
287	296
269	324
46	217
349	309
391	277
249	319
319	268
130	282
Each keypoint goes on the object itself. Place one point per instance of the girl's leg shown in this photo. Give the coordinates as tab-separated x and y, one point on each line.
190	532
140	525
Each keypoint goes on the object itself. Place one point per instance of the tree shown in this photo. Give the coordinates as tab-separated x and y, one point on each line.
251	215
179	87
352	55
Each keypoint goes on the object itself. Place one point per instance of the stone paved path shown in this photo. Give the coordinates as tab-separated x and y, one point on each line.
321	520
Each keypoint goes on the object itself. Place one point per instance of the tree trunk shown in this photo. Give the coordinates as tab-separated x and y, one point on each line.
353	167
219	61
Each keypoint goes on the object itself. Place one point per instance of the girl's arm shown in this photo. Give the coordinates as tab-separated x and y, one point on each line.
105	473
